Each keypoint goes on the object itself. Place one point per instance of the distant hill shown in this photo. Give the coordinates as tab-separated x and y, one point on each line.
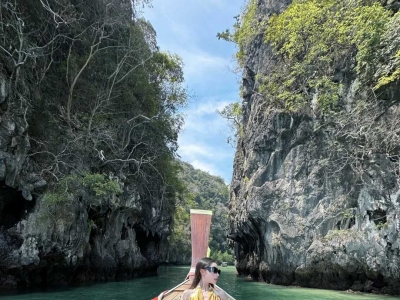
202	191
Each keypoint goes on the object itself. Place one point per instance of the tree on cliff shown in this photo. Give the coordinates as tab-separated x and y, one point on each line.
233	114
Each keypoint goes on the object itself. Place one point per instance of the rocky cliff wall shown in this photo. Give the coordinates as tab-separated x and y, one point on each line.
72	243
300	213
55	228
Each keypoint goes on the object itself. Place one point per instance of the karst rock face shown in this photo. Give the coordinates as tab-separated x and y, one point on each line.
78	243
84	236
296	217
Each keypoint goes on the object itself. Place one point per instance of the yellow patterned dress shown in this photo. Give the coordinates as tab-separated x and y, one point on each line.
198	295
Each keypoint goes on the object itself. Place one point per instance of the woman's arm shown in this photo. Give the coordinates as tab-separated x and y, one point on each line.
186	294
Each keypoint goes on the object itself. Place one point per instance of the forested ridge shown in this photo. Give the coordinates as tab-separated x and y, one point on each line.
201	191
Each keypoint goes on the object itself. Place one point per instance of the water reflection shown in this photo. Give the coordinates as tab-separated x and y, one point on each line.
146	288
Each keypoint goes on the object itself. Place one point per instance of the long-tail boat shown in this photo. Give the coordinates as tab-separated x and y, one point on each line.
200	221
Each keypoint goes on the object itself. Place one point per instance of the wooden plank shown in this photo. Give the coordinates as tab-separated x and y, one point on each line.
177	292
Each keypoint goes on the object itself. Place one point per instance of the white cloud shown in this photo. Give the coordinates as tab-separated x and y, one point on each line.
198	62
190	32
194	150
210	168
201	117
206	154
189	28
208	106
191	150
210	126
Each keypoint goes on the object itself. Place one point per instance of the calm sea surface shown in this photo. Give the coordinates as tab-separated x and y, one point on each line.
147	288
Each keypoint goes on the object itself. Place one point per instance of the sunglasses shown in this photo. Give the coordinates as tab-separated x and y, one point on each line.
214	270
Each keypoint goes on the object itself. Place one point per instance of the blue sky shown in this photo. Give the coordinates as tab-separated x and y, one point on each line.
188	28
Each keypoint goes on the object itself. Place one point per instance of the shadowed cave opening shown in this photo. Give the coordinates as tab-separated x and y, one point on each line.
124	232
378	216
145	240
13	206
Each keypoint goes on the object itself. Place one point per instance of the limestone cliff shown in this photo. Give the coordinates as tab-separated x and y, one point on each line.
87	140
302	212
74	242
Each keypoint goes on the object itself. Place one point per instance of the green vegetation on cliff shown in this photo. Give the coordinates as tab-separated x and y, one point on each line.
314	40
335	61
315	43
246	27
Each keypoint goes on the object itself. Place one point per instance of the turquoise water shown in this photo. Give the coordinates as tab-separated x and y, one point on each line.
149	287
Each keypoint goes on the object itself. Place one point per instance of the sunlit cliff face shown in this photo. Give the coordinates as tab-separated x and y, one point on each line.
309	205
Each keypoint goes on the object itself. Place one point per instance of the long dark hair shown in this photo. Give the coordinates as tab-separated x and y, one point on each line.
201	264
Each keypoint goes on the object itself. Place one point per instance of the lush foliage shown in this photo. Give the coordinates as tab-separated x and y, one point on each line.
60	202
315	40
71	187
318	45
62	190
246	27
100	185
221	257
390	51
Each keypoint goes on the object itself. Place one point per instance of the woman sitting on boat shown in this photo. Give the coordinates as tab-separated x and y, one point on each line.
205	277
